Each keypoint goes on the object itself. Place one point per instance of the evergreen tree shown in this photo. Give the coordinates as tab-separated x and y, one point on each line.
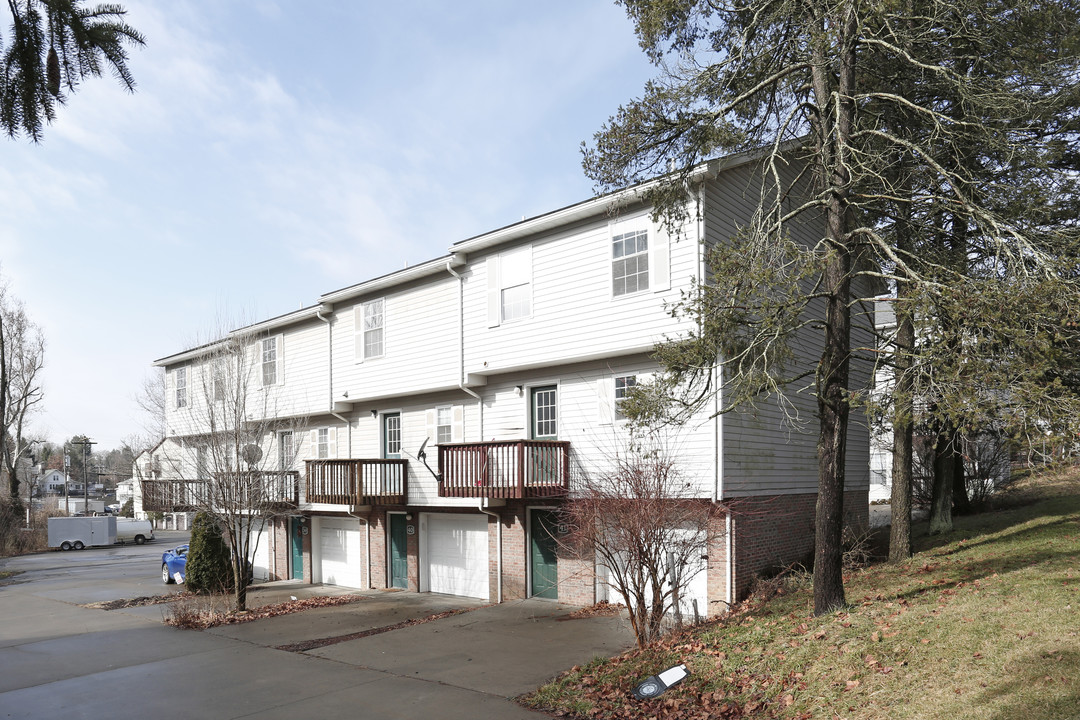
208	560
53	45
902	126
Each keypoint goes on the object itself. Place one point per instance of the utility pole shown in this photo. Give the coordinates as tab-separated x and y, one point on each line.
86	484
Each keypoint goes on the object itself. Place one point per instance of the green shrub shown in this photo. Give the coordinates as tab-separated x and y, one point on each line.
209	568
128	509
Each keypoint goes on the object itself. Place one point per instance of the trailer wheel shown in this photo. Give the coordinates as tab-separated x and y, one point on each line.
65	545
78	545
139	539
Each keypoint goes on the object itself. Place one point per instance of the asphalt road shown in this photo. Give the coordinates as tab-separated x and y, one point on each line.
60	659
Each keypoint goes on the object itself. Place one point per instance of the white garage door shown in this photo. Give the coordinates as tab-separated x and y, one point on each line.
260	562
457	555
340	553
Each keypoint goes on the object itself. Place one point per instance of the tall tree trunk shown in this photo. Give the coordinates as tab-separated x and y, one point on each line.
903	427
834	136
941	496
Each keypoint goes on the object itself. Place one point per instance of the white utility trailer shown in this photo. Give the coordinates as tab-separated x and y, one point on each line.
75	533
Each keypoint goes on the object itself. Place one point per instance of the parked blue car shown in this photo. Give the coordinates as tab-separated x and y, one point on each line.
172	562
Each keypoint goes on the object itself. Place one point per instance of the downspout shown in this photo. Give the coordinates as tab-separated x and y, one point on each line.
461	346
480	434
330	375
498	547
348	431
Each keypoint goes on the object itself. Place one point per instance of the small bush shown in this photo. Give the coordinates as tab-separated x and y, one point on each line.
209	568
128	509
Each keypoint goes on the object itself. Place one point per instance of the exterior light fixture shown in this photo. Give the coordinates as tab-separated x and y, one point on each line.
374	412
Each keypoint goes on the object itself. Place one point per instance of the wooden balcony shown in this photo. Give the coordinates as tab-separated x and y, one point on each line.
171	495
508	469
357	482
258	489
245	490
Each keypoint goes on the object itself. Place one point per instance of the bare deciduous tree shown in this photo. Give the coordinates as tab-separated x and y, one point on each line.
237	449
646	535
22	356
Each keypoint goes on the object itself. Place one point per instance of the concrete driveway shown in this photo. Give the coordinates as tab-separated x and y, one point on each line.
61	659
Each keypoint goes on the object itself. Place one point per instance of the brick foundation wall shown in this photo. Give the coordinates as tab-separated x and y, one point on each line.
772	533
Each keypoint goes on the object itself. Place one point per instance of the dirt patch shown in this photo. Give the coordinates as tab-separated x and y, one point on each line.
323	642
600	609
196	612
133	602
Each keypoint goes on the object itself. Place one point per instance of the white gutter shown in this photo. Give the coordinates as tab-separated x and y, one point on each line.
330	374
498	546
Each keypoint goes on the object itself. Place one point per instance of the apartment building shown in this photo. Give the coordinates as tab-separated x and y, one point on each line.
443	413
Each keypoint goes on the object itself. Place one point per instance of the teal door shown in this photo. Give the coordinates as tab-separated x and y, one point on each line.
543	555
296	544
399	553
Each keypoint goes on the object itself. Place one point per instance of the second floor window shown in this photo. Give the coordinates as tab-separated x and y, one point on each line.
322	445
509	278
374	319
630	262
269	361
181	387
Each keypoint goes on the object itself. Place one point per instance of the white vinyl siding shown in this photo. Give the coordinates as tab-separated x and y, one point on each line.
509	276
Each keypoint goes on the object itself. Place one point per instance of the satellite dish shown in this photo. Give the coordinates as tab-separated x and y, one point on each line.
251	454
420	453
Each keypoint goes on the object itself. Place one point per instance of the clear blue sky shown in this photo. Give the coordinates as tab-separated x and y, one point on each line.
275	151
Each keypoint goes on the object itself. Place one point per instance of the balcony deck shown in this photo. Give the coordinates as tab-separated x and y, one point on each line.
357	482
512	469
249	489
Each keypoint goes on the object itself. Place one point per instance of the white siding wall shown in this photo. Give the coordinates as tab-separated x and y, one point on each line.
420	342
769	449
574	315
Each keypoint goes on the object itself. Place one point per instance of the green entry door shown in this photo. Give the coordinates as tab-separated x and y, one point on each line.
543	556
399	554
296	544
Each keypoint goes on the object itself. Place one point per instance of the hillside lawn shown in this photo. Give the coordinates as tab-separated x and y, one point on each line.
981	623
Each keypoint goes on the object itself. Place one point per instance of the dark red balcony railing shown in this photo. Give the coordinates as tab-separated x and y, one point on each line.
507	469
245	489
357	482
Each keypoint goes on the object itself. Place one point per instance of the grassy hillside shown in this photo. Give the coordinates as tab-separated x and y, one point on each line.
981	623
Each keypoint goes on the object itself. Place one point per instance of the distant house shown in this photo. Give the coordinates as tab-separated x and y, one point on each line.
507	359
52	483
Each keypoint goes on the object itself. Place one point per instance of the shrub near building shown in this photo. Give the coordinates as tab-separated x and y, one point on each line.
209	568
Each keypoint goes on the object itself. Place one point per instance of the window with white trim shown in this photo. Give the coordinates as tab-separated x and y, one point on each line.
322	443
510	286
181	387
372	324
218	379
623	383
269	348
286	453
444	425
629	262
